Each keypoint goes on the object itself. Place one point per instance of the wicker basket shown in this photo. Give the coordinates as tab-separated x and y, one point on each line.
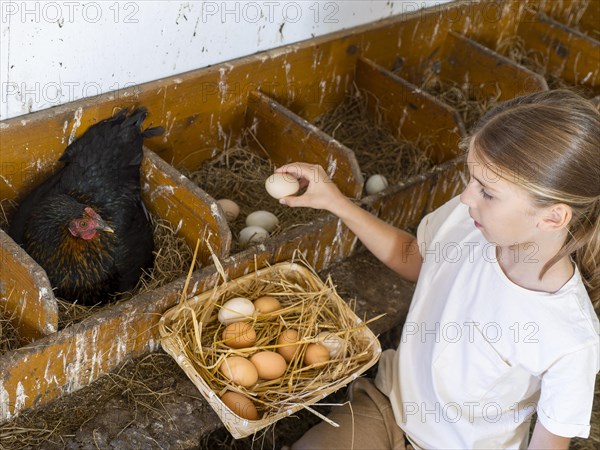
363	347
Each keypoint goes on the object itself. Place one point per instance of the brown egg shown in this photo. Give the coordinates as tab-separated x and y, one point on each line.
316	354
289	351
239	335
270	365
267	304
240	405
239	370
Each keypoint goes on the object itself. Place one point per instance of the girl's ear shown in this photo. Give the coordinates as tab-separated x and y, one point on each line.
555	217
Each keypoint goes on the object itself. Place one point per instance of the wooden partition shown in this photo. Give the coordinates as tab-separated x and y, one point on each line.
466	62
570	55
25	291
287	137
580	15
191	211
409	112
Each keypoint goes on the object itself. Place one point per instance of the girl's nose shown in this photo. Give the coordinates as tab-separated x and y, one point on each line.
466	196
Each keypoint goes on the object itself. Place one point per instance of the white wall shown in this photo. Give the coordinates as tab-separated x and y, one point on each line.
54	52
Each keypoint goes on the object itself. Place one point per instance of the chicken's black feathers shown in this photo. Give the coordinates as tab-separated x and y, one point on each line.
101	171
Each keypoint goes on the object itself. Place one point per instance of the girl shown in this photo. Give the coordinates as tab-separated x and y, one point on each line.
500	325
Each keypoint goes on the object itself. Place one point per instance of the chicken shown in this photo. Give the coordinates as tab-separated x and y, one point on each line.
86	225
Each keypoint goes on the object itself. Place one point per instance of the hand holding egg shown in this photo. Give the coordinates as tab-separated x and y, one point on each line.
321	191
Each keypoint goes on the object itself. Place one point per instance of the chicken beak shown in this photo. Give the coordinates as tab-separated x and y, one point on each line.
101	225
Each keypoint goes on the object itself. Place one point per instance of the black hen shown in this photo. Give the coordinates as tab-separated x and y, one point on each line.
86	225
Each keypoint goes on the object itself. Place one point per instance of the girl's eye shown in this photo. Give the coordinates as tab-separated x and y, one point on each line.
485	195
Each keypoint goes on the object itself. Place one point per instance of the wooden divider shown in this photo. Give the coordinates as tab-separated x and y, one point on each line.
451	178
465	62
26	294
403	205
589	21
578	14
410	112
190	210
289	138
571	55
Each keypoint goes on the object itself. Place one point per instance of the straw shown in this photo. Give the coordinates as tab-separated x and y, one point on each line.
515	48
239	174
377	150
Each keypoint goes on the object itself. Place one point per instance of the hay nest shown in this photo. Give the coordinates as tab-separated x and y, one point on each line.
377	150
9	337
192	334
172	255
7	206
514	47
239	174
468	102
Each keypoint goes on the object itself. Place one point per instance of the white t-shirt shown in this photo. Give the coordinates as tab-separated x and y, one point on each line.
479	354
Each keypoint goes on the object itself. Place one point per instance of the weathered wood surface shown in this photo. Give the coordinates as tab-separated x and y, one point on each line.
287	137
451	178
469	64
583	15
203	111
191	211
25	292
570	55
410	112
404	205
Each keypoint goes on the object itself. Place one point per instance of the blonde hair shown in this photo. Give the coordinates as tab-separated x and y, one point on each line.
549	144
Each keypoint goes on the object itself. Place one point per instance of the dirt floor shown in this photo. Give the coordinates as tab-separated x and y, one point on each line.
149	403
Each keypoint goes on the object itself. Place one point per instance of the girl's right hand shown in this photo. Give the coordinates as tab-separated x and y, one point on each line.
321	192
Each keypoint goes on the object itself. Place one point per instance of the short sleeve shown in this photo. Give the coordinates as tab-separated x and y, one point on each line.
567	393
432	222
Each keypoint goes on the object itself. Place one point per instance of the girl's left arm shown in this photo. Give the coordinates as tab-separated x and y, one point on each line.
543	439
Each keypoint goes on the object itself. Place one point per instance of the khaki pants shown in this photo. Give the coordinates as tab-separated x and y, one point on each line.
369	425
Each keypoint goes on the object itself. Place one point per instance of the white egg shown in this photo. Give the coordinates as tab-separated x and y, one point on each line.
281	185
230	209
236	310
332	342
253	235
263	219
376	183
